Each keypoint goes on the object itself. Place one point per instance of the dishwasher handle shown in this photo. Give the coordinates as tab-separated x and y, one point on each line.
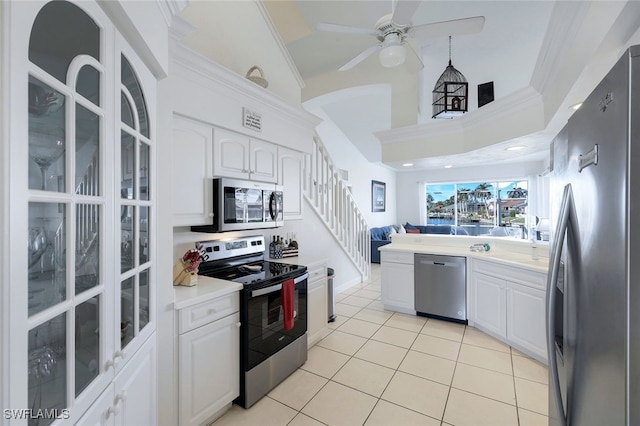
437	263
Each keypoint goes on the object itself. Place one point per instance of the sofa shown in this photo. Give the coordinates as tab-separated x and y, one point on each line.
435	229
380	236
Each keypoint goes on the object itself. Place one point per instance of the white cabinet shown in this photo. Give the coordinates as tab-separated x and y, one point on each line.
317	314
102	412
509	303
230	154
263	161
526	309
489	303
81	153
397	281
238	156
131	398
192	156
208	359
291	175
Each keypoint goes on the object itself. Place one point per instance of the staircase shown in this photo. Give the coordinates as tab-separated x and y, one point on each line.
329	196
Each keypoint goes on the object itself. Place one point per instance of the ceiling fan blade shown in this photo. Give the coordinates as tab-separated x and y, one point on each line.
404	11
413	63
446	28
337	28
361	57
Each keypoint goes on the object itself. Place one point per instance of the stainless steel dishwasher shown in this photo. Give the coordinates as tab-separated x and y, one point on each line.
441	286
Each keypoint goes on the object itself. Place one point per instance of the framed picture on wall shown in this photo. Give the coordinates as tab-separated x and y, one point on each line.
378	196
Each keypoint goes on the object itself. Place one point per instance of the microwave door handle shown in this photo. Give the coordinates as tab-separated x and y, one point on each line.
273	206
567	224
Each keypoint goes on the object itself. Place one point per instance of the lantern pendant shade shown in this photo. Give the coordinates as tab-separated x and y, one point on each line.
451	93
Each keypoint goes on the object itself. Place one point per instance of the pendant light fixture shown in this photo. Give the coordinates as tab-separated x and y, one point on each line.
451	92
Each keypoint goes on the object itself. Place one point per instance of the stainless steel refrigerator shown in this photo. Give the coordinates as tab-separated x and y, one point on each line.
593	290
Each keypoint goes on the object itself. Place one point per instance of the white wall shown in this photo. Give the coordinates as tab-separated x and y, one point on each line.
410	185
236	35
315	242
361	172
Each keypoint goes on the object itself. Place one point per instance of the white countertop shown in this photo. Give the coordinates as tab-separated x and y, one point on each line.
505	257
206	289
211	288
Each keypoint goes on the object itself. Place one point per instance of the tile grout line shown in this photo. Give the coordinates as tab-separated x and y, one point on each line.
446	402
515	390
396	370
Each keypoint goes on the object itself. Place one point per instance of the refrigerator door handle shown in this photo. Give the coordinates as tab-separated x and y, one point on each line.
567	224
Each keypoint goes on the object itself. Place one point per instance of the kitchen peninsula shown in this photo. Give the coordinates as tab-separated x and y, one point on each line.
505	286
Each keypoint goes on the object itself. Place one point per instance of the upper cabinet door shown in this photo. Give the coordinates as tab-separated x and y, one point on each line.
192	183
263	161
230	154
237	156
291	175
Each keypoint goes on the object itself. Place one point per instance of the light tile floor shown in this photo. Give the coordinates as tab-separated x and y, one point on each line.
383	368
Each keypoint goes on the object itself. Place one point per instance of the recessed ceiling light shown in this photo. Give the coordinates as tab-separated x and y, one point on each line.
576	106
407	165
516	148
448	166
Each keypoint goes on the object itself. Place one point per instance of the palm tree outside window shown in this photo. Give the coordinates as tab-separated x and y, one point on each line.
480	207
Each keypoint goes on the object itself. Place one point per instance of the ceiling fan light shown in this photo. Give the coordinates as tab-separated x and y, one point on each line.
392	56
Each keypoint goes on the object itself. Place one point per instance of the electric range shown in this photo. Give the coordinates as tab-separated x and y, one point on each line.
273	312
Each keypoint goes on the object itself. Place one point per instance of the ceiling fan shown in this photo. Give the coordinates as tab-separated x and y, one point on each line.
394	30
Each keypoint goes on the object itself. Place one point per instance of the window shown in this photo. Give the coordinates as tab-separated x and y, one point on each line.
497	208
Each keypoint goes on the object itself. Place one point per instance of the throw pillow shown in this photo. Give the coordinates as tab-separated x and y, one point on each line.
413	231
408	226
402	230
393	231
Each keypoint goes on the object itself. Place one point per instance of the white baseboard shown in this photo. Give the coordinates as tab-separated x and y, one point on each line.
347	285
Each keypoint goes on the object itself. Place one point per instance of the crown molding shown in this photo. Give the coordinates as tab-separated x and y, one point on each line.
171	8
180	28
564	26
280	43
214	76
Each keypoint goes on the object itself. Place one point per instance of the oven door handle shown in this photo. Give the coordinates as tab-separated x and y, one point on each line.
277	287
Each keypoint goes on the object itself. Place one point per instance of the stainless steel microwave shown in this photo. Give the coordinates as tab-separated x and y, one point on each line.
242	204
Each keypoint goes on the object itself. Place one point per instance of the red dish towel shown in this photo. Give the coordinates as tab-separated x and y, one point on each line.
286	295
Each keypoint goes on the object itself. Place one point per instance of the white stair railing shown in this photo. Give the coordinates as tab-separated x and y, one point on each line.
328	194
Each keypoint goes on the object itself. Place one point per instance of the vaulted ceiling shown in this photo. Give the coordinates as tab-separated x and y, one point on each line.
543	56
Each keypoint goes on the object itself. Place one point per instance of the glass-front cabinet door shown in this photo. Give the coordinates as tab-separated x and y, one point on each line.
88	163
135	206
67	283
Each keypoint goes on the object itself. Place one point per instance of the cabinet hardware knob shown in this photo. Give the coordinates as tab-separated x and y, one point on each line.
120	354
210	214
115	410
108	365
122	396
238	324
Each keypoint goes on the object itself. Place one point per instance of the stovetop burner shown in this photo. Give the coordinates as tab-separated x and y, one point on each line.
258	272
241	261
